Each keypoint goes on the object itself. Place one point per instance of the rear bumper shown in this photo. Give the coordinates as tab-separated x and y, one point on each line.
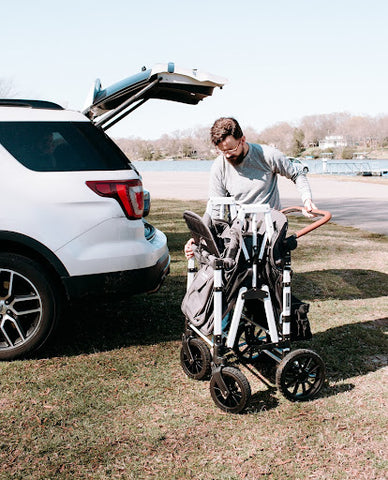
123	283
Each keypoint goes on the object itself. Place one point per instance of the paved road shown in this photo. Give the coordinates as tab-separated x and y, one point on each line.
358	204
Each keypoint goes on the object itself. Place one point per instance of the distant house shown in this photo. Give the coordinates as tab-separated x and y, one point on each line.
333	141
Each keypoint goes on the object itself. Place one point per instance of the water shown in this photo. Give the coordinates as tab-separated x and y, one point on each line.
315	166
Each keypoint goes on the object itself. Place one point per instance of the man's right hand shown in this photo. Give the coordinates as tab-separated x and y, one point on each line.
188	249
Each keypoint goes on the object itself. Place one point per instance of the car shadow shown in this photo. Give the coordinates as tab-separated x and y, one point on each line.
93	324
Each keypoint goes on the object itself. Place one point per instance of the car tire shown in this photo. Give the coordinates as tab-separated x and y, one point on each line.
29	305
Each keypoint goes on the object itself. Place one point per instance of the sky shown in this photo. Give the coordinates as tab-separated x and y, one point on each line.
283	59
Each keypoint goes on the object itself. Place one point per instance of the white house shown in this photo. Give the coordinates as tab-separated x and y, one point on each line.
333	141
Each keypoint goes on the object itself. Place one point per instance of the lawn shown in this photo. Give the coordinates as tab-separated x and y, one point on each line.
107	399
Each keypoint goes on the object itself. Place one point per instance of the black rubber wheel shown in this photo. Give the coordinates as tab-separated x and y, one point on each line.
239	391
197	367
248	338
305	169
300	375
29	305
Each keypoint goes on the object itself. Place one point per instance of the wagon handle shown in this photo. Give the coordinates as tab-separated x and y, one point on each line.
325	217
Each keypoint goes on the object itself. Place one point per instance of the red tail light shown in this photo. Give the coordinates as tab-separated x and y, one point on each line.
129	194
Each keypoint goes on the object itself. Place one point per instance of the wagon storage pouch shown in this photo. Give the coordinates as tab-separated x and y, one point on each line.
300	325
197	304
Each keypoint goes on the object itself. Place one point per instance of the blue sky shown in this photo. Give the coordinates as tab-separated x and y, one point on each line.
283	59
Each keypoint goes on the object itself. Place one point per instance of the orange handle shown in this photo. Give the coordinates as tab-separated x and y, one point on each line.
325	217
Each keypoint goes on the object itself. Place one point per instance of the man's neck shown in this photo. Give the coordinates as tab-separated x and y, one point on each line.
246	149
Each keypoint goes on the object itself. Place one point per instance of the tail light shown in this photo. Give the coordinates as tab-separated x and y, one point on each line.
129	194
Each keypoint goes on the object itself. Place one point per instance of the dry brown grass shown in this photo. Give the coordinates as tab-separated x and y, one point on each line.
109	400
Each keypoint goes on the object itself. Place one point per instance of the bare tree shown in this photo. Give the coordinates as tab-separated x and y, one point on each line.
316	127
382	130
360	131
280	136
251	134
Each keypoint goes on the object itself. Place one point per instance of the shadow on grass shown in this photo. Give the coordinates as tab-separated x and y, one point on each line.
262	401
99	324
344	284
348	351
95	325
353	349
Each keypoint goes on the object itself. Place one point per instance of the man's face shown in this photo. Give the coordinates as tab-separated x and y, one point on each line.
233	150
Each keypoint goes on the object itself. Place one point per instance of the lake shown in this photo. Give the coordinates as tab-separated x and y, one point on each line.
315	166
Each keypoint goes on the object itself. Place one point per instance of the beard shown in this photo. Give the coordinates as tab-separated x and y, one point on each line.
236	160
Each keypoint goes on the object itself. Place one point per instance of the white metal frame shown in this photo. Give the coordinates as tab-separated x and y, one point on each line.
241	212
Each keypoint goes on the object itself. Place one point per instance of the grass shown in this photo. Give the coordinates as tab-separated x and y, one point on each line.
107	399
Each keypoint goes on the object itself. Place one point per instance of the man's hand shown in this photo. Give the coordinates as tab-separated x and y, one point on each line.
308	206
188	250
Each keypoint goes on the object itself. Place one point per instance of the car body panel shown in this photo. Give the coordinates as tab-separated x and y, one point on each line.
123	282
39	212
163	81
87	233
12	114
113	245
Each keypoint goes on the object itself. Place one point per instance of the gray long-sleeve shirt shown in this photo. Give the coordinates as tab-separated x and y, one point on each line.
255	179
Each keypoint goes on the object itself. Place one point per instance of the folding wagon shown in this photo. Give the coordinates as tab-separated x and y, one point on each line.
239	309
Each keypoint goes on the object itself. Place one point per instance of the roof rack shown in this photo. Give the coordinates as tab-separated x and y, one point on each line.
43	104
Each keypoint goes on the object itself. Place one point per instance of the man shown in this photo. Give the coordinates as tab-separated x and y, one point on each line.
249	171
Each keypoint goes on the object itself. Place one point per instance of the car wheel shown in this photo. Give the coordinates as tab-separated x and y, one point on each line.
29	305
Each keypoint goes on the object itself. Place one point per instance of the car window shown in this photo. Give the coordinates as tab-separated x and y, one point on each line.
62	146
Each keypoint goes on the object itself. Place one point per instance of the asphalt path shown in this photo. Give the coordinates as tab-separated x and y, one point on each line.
357	204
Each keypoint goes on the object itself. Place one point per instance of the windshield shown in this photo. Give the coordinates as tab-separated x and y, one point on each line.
61	146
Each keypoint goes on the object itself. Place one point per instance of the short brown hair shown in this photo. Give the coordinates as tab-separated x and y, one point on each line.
223	127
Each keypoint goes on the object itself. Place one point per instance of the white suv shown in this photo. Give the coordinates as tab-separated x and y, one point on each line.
73	206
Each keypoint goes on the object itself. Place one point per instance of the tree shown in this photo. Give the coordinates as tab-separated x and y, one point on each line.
297	147
363	131
251	134
146	151
280	136
317	127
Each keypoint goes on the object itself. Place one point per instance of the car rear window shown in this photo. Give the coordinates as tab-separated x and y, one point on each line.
62	146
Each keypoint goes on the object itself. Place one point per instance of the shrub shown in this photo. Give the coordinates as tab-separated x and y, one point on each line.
347	153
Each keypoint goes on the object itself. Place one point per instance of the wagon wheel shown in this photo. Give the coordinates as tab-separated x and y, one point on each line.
238	393
300	375
248	338
196	362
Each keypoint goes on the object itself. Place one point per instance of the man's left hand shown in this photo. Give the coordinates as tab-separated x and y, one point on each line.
308	206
